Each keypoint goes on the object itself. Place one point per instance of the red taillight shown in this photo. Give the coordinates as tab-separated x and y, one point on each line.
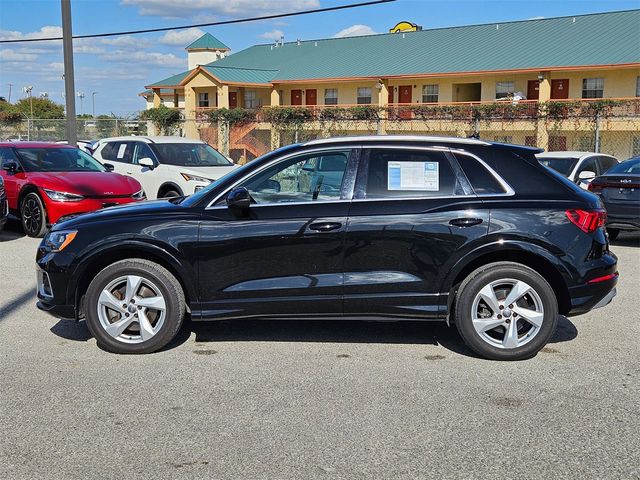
604	278
587	221
594	187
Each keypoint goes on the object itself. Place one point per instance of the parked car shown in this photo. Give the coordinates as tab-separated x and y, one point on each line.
4	206
165	166
46	182
465	231
579	167
619	189
85	145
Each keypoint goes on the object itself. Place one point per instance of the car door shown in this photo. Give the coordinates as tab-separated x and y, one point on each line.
119	154
413	212
150	178
13	182
283	255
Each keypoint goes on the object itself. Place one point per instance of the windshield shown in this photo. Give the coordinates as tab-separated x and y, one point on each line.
57	160
563	165
190	155
628	166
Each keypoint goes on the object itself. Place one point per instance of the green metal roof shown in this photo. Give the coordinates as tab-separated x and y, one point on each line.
174	80
583	40
209	42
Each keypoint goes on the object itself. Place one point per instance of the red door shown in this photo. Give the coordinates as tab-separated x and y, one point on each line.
311	97
560	89
533	90
405	93
233	100
296	97
390	99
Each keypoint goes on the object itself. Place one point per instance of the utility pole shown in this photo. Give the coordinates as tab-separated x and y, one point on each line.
93	104
70	98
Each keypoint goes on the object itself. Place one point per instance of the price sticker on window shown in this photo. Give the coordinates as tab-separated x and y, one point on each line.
422	176
121	150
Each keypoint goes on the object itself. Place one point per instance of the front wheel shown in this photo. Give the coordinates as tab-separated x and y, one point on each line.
134	306
506	311
33	216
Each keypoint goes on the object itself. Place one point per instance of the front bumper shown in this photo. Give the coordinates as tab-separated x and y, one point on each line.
58	210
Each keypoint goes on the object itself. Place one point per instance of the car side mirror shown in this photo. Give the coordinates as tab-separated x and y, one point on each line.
239	199
587	175
109	167
147	162
11	167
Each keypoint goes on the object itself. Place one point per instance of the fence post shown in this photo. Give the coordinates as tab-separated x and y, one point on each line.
275	137
597	140
28	129
223	138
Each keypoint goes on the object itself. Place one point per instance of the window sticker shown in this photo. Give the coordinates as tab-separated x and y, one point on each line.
422	176
121	150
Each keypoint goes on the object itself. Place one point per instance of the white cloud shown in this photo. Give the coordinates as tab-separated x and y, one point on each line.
44	32
193	8
181	38
272	35
9	55
126	41
168	60
355	31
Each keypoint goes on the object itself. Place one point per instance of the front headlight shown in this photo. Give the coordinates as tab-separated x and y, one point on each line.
58	241
195	178
63	196
139	195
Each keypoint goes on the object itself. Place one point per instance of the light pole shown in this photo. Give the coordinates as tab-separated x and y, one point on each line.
9	99
27	91
93	104
81	97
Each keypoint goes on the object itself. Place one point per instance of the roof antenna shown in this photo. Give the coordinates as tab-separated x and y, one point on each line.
281	40
298	42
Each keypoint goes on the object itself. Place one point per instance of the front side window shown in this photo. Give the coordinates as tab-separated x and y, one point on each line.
142	151
190	155
592	87
410	173
562	165
6	156
307	178
430	93
364	95
505	89
203	99
330	96
57	160
589	165
250	99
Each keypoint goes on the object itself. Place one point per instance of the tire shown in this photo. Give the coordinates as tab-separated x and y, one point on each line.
127	334
169	194
613	233
33	215
494	335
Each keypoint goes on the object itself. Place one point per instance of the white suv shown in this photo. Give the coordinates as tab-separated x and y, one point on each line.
164	166
579	167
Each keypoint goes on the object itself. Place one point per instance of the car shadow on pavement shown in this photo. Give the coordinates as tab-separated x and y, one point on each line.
626	239
12	231
27	296
322	331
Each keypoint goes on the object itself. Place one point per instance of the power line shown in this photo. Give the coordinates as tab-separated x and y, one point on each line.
224	22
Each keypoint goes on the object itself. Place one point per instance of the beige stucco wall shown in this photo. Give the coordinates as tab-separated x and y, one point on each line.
202	57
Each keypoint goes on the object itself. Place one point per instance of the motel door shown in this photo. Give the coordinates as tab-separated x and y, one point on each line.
311	97
560	89
533	90
296	97
233	100
405	93
390	99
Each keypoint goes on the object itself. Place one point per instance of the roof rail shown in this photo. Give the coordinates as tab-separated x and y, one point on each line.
398	138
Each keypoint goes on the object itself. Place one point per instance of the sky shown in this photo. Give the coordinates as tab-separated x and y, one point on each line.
118	68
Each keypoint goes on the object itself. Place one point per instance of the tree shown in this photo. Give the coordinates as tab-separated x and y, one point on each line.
42	108
164	119
9	114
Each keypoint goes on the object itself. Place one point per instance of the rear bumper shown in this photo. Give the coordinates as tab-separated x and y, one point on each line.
585	298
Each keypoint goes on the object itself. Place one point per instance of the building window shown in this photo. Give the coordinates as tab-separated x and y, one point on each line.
592	87
251	99
430	93
638	87
557	143
330	96
505	89
364	95
203	99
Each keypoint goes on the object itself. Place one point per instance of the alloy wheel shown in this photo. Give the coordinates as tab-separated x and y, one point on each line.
507	313
131	309
31	215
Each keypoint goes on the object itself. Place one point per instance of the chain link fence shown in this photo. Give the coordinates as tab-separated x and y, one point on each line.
52	130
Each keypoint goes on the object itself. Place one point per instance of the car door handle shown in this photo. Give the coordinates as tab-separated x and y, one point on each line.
325	226
465	222
129	173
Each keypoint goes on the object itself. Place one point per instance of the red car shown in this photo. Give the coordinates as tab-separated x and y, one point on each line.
46	182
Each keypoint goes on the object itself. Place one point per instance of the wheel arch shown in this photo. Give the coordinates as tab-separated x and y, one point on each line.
169	186
534	257
107	255
26	190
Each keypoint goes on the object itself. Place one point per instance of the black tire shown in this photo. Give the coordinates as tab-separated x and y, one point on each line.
484	276
168	286
169	194
33	215
613	233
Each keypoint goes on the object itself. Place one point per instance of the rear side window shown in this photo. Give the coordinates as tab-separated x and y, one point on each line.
481	179
407	173
118	152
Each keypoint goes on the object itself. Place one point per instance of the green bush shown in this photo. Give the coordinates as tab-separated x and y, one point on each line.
235	116
163	118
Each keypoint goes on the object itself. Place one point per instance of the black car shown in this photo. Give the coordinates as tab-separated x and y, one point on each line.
4	206
619	189
473	233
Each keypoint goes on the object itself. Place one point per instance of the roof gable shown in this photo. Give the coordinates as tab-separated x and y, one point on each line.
207	42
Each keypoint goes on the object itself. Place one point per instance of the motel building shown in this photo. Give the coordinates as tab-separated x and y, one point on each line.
576	59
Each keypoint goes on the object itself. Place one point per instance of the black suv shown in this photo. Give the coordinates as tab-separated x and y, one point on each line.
465	231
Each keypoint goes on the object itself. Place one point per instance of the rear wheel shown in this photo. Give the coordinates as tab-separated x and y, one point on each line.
506	311
134	306
169	194
613	233
33	215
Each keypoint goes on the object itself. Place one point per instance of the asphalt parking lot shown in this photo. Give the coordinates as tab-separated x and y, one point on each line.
302	400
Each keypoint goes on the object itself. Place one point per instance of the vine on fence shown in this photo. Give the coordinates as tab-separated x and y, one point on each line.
163	118
234	116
